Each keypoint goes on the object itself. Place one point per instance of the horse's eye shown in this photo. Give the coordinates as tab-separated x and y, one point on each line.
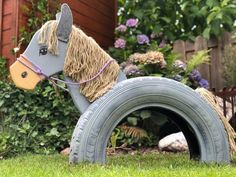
43	50
24	74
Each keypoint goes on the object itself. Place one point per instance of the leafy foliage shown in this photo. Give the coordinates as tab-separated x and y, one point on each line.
134	132
137	35
181	19
137	129
37	13
132	136
41	121
229	66
197	59
3	69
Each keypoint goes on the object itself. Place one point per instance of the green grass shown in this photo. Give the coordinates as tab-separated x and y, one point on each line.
164	165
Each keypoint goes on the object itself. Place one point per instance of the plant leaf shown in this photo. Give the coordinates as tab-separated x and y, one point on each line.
132	120
134	132
145	114
206	33
197	59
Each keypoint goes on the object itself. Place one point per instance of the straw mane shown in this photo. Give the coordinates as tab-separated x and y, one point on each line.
212	101
84	59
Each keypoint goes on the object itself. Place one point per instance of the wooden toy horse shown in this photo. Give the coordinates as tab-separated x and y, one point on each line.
104	96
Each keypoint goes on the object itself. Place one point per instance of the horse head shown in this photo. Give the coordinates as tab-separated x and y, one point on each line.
37	62
60	46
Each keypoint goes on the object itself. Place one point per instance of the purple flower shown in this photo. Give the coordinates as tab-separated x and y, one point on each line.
195	76
132	22
121	28
142	39
203	83
120	43
130	69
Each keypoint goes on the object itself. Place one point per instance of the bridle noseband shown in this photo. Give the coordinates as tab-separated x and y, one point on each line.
37	70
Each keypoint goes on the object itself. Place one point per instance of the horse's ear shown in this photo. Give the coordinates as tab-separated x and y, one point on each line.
65	19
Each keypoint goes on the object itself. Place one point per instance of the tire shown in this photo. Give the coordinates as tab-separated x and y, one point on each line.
203	129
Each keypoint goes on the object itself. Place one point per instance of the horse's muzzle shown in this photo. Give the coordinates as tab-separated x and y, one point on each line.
23	76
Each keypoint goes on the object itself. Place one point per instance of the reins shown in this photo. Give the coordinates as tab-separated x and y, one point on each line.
36	69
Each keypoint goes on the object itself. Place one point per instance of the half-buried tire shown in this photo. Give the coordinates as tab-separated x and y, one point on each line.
205	134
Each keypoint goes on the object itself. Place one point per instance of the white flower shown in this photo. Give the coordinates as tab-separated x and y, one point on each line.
16	49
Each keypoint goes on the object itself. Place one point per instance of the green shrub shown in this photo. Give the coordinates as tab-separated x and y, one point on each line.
40	122
37	13
3	69
180	19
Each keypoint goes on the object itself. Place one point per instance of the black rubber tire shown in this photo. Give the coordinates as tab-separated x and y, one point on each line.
95	126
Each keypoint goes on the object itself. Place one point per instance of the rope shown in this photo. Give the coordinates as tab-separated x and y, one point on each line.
39	71
210	98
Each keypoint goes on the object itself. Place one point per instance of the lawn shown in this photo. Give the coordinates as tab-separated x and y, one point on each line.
170	165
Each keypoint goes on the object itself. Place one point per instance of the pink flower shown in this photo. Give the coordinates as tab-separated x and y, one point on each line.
132	22
121	28
120	43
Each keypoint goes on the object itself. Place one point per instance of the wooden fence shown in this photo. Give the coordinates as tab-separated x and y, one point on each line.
213	71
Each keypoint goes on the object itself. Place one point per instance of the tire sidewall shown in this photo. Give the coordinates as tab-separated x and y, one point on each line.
133	94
